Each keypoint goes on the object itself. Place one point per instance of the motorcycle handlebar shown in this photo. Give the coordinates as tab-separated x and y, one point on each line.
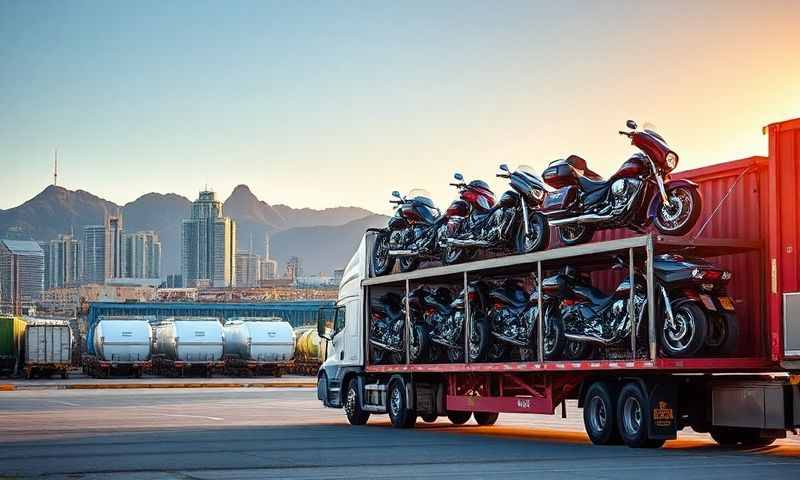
627	134
455	184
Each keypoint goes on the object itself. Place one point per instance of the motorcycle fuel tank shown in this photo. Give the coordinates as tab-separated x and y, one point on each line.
459	208
509	199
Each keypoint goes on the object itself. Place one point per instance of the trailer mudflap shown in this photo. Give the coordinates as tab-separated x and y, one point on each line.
663	411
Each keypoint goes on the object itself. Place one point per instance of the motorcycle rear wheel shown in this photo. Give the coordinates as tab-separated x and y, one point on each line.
575	350
575	234
539	238
688	335
682	213
723	333
382	262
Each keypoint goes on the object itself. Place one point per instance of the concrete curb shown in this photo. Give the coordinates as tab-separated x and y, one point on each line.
129	386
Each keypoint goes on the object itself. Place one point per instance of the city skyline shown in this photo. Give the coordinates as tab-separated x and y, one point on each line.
322	97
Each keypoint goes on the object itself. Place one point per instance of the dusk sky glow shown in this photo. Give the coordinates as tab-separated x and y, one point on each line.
319	104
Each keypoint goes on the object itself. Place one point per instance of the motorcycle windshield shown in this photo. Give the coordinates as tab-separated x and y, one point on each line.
650	129
529	174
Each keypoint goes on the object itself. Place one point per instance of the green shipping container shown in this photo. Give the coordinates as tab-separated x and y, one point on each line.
12	331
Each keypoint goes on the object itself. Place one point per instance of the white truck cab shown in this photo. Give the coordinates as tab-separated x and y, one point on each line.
345	340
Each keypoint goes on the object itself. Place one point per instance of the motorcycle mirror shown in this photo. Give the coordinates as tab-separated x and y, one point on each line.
504	167
396	194
631	124
458	176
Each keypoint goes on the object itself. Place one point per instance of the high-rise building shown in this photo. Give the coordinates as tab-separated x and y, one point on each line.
21	273
294	268
63	262
142	255
248	269
94	254
114	263
45	246
208	240
269	269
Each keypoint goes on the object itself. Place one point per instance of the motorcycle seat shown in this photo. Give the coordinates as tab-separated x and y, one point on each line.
594	295
588	180
509	296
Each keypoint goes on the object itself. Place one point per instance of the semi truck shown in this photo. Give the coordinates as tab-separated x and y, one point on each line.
634	394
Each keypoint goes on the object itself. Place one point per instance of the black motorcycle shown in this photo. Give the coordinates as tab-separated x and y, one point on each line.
386	332
445	315
512	225
513	322
690	292
411	234
639	193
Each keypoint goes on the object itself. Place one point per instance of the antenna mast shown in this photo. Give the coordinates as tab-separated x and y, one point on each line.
55	169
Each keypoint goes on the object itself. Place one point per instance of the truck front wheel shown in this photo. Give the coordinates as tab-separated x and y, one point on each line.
399	413
352	405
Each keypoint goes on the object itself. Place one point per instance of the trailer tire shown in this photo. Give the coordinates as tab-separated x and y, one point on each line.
633	417
486	419
399	413
352	404
429	417
740	437
458	418
599	415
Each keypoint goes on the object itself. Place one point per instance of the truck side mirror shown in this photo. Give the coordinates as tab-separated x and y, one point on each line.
322	324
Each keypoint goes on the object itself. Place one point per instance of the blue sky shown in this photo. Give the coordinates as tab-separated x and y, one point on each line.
338	103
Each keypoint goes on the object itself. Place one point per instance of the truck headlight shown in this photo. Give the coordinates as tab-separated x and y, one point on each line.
672	160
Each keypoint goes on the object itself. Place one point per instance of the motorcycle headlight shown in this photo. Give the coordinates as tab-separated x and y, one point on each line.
537	194
672	160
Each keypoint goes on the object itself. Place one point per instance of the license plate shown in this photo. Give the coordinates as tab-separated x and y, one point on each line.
708	302
726	303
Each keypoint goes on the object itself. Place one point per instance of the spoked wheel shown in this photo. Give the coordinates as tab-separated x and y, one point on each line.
537	239
723	333
420	344
382	262
682	212
575	234
478	339
554	339
687	333
408	264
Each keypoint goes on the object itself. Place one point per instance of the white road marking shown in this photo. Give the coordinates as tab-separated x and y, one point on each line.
69	404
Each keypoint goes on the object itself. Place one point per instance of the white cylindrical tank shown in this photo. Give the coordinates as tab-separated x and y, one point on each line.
190	340
123	340
267	339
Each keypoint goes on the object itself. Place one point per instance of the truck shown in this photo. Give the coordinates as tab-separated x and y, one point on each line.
634	395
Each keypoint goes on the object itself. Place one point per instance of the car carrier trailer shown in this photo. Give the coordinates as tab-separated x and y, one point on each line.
640	399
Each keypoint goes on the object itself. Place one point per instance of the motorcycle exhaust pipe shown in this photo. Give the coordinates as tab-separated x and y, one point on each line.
455	242
585	338
510	340
385	346
403	253
589	218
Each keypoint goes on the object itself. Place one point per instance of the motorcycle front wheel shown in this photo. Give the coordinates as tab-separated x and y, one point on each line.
382	262
539	237
575	234
678	218
478	338
420	344
687	335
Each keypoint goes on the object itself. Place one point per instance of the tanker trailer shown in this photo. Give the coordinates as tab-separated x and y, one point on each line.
258	346
309	351
192	343
48	347
120	346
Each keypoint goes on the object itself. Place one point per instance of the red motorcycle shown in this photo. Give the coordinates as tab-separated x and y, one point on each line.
640	193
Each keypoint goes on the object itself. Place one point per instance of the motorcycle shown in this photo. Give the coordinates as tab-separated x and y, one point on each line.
639	193
386	332
513	322
512	225
684	289
445	315
411	234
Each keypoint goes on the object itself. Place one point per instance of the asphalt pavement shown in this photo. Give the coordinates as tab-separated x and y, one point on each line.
285	433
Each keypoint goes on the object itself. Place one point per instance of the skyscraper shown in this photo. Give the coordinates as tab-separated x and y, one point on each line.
21	273
114	263
94	253
248	269
64	262
208	240
142	255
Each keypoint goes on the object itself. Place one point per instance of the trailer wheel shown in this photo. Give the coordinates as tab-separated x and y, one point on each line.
599	415
486	419
399	413
458	418
740	437
352	405
633	417
429	417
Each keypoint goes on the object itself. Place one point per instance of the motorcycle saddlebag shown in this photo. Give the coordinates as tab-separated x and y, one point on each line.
561	199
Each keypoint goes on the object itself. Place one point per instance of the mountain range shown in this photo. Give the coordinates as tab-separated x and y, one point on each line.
324	239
